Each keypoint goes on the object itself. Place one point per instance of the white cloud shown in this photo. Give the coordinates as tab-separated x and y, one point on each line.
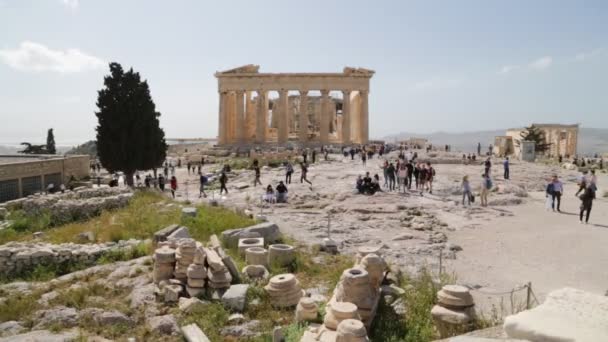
30	56
541	63
583	56
507	69
72	4
437	83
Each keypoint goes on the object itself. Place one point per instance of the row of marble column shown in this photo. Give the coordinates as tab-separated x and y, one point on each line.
232	117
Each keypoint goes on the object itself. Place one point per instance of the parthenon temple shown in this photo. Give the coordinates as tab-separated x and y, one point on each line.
311	108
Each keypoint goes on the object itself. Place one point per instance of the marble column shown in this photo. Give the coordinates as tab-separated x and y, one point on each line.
303	119
324	117
222	119
240	117
283	131
364	116
346	117
231	117
262	114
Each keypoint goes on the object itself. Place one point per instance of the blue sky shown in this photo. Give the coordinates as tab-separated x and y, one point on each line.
440	65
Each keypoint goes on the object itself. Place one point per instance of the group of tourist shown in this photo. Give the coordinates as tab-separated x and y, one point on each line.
278	196
159	182
587	188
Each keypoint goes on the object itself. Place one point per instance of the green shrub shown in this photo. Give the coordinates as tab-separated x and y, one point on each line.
210	319
17	307
214	220
294	332
26	223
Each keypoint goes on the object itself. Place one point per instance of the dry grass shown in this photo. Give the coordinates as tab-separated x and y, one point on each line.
147	213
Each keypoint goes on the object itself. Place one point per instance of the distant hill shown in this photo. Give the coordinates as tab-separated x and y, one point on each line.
89	147
590	140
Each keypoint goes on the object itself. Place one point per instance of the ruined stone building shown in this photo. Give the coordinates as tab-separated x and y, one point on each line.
24	175
563	139
248	115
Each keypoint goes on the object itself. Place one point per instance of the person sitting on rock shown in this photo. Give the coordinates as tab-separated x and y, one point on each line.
281	193
269	196
359	185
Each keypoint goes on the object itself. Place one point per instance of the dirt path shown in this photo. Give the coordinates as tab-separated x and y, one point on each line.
551	250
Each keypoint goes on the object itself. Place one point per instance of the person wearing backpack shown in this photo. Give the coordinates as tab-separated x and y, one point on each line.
486	186
203	182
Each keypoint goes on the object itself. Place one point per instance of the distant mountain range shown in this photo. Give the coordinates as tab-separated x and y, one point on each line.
590	140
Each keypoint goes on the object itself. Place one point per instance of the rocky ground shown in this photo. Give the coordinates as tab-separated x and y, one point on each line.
493	249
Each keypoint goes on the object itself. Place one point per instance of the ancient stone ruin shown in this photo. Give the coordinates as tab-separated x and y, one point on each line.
455	309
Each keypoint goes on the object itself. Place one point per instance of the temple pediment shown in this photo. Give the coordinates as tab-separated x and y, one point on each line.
245	69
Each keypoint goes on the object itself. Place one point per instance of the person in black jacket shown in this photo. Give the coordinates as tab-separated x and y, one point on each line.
587	202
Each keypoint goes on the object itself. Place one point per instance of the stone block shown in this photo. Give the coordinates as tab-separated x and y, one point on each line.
269	231
214	260
172	293
189	212
188	305
179	233
231	266
249	242
281	254
235	297
192	333
165	325
162	234
566	315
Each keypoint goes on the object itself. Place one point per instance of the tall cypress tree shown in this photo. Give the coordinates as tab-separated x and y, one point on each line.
535	134
129	137
50	142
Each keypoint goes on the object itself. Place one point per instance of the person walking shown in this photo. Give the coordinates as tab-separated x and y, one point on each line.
304	174
223	181
423	177
288	173
256	180
486	186
363	158
385	172
416	173
410	174
173	186
352	153
430	176
587	202
304	156
466	190
557	189
314	156
161	183
402	176
203	181
488	166
505	165
390	172
479	149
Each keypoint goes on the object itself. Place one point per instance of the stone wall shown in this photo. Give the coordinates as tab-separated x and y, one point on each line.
72	205
18	257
